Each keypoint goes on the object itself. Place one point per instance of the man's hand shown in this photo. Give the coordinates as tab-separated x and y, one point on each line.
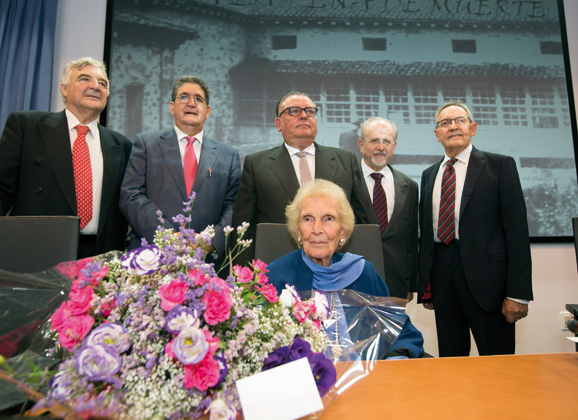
428	305
513	310
409	296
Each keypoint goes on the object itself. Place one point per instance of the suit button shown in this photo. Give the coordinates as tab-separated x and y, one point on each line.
36	162
38	189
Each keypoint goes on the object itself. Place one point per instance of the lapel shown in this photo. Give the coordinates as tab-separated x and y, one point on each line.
475	166
283	169
370	212
56	139
169	145
112	155
206	162
428	193
400	185
325	165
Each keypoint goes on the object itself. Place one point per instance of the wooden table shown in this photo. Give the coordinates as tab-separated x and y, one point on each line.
540	386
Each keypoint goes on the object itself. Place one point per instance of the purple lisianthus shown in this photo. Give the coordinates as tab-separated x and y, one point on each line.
113	337
190	346
60	387
299	349
97	363
224	368
324	372
277	358
142	261
180	317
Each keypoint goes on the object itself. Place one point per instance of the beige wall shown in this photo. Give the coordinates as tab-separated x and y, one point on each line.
554	266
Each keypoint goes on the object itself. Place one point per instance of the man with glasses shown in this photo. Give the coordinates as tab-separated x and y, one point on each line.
395	201
475	268
272	177
167	167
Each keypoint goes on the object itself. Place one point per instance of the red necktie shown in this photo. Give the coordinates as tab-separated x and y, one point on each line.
379	201
82	175
447	220
190	165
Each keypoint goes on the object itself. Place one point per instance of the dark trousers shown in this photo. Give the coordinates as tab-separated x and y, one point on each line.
456	311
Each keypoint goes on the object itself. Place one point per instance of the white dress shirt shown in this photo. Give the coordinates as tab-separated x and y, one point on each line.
386	182
197	144
96	163
310	156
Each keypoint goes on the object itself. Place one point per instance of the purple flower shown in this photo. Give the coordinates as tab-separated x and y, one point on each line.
323	372
60	387
113	337
97	363
190	346
299	349
224	369
276	358
180	317
142	261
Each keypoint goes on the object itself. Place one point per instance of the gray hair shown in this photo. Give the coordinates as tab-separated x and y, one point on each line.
320	188
372	119
453	103
79	64
293	93
194	80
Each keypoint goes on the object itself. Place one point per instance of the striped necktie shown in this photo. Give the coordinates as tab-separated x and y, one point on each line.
379	201
447	221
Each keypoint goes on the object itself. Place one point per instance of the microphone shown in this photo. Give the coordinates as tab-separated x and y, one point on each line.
573	326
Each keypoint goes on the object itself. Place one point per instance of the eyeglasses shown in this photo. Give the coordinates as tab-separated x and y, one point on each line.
295	111
377	142
448	122
185	99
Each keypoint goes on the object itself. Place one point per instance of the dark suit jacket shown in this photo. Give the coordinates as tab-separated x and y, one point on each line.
154	180
37	176
493	231
400	238
269	183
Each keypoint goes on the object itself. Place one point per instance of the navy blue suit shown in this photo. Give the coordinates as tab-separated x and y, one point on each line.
155	180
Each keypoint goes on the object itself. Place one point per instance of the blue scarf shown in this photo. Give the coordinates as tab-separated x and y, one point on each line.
338	275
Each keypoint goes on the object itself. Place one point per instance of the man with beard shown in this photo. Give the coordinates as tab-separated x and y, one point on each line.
395	205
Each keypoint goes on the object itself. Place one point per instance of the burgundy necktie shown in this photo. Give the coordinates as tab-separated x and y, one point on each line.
379	201
190	165
82	175
446	220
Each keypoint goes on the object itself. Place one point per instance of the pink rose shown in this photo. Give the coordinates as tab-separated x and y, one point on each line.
107	308
244	274
198	278
219	285
213	342
316	323
300	311
74	330
98	276
259	266
80	301
72	269
203	375
218	306
262	279
269	292
59	318
172	294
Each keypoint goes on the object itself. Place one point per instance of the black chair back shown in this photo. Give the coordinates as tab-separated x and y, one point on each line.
36	243
273	241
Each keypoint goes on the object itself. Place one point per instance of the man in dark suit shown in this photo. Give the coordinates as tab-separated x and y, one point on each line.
395	203
475	267
271	178
158	176
37	174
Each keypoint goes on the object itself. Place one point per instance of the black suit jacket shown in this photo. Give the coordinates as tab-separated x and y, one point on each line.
37	176
493	231
399	241
269	184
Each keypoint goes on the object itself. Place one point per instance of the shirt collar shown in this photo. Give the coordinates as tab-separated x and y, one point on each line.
367	171
181	135
463	157
292	150
73	122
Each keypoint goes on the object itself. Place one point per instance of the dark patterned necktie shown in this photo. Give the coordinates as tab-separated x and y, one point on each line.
447	220
379	201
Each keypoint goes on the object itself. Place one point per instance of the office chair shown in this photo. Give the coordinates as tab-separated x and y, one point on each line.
273	241
36	243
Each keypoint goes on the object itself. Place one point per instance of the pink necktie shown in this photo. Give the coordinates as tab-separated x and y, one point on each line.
82	175
304	167
379	201
190	165
447	220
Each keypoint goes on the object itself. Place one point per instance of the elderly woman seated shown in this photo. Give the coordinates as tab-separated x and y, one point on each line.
321	220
